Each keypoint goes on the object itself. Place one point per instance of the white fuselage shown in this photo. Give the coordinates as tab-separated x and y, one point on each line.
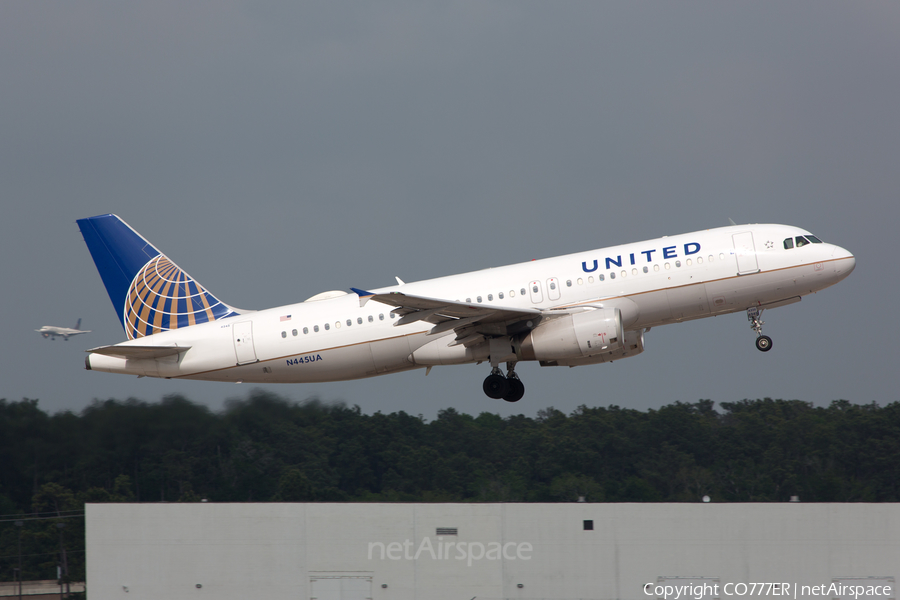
670	279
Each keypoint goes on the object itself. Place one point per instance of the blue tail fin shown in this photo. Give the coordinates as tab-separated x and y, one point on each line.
149	292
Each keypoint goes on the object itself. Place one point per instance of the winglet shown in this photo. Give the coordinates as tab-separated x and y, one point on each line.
364	296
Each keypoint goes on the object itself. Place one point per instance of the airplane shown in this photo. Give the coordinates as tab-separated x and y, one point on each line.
580	309
49	331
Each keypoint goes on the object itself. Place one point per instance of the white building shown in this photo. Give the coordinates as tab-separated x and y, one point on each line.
492	551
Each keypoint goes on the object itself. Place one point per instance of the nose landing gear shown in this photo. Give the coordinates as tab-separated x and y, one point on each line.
763	342
510	387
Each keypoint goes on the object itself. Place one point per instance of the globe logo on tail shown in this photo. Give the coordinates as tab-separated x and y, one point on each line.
163	297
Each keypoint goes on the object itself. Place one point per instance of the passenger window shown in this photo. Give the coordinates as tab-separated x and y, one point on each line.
721	256
788	243
689	262
656	268
624	274
327	326
490	297
568	283
801	241
359	320
612	275
371	319
316	328
479	299
699	260
337	324
601	277
500	295
512	293
349	322
677	263
646	270
580	281
522	291
306	331
284	334
381	316
635	271
393	316
294	333
552	285
668	266
710	258
591	279
468	300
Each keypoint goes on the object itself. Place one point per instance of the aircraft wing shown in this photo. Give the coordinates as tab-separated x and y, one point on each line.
130	351
470	321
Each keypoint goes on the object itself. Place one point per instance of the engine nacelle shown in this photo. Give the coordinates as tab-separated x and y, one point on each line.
634	345
575	336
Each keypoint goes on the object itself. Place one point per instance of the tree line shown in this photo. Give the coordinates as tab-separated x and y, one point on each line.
268	449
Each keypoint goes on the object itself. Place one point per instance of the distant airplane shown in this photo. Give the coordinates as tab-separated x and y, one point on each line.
580	309
49	331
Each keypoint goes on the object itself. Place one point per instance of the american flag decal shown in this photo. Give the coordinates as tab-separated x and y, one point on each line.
286	318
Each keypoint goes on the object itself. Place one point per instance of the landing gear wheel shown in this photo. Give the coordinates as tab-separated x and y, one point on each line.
763	343
516	390
496	386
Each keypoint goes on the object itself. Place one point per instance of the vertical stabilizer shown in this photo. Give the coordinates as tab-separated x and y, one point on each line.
149	292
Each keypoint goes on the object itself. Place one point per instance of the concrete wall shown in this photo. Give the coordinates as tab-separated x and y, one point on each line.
521	551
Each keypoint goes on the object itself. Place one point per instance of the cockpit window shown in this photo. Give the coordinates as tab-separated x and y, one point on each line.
788	243
801	241
814	239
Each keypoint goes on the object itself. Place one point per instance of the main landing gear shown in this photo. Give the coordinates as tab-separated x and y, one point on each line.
510	387
763	342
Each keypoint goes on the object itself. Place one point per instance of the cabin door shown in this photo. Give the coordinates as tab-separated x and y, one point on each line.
745	253
243	342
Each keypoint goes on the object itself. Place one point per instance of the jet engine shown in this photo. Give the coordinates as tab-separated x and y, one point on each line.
634	345
575	336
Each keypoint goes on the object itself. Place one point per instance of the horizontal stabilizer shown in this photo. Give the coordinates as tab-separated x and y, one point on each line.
139	351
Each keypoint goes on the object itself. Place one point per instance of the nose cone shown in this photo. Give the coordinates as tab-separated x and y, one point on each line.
843	261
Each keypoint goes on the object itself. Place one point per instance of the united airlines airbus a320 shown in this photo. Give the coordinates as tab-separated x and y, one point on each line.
581	309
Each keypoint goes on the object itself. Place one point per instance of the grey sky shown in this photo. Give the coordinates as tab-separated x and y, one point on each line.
275	150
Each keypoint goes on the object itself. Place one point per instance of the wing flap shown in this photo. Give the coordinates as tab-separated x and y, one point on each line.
471	322
411	306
